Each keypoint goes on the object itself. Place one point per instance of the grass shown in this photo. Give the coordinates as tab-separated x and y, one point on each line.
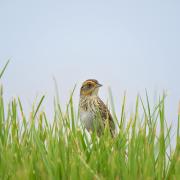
33	148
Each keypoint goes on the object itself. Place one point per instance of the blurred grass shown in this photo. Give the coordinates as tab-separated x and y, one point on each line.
33	148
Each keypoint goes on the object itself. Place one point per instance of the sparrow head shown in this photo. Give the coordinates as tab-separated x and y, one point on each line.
90	88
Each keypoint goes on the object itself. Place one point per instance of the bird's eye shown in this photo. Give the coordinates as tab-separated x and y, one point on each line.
86	87
89	85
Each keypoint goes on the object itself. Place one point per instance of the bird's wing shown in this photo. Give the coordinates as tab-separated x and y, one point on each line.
106	115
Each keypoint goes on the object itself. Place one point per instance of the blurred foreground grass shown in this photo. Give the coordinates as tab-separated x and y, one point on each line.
33	148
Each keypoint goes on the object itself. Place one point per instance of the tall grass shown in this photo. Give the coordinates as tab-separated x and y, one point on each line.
33	148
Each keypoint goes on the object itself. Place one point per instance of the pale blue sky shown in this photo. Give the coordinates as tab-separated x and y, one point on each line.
128	45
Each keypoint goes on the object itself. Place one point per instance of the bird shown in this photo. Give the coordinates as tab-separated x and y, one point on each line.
94	114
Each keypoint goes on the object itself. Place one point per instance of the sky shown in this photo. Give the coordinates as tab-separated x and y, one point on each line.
126	45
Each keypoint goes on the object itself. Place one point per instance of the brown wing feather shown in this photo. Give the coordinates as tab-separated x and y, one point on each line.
106	115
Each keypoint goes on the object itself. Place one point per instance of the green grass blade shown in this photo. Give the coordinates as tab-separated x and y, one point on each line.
3	70
39	105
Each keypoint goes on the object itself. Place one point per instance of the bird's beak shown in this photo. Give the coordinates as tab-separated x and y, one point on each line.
99	85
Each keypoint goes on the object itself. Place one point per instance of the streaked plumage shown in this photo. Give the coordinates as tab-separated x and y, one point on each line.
94	114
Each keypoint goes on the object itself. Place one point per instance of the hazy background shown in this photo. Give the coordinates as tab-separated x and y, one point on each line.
127	45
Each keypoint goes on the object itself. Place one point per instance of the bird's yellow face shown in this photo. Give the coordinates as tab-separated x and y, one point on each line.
90	87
